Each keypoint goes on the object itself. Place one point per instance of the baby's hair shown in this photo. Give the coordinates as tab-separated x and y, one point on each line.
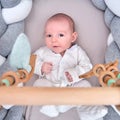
59	16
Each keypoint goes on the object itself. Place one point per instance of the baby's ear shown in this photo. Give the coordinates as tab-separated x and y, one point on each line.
74	35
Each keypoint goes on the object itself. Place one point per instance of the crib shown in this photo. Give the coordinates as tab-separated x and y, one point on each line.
92	37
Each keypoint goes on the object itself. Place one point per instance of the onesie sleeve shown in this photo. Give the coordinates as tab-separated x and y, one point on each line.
38	62
83	65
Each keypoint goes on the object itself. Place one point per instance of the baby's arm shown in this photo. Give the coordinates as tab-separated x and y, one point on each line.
41	67
38	62
84	65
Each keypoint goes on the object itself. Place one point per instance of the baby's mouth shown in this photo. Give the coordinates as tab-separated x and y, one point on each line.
55	46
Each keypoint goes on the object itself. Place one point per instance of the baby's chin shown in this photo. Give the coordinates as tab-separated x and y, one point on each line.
59	52
56	52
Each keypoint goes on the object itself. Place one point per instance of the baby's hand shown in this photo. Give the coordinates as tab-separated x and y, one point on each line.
69	77
46	67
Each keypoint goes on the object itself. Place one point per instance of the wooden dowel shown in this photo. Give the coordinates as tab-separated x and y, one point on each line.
47	95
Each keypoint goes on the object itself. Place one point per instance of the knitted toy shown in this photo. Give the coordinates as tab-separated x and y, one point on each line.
12	15
111	11
22	61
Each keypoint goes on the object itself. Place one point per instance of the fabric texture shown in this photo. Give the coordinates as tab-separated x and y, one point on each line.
9	3
2	60
18	12
3	25
114	6
92	112
100	4
8	40
15	113
3	113
112	114
20	58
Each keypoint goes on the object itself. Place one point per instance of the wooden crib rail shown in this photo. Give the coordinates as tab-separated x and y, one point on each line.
47	95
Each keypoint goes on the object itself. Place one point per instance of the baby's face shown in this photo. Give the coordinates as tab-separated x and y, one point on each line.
59	36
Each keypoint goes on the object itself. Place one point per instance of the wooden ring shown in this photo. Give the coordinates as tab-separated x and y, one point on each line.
23	75
112	68
98	69
108	75
11	77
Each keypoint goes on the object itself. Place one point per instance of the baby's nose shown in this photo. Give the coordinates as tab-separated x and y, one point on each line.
54	39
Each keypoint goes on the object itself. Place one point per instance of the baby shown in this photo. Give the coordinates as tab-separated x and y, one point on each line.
60	62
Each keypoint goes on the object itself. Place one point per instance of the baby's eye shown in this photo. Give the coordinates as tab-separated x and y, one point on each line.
48	35
61	35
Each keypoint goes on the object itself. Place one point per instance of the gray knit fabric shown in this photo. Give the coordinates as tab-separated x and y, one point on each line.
115	30
5	67
9	3
6	43
15	113
3	25
112	53
108	17
112	115
8	39
100	4
3	113
113	50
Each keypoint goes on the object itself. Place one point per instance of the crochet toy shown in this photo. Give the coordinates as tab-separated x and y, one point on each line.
12	15
22	61
111	10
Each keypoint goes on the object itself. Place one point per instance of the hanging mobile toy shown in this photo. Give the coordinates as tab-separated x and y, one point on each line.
23	62
108	74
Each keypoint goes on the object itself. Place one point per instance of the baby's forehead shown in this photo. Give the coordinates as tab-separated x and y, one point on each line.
62	22
58	20
57	26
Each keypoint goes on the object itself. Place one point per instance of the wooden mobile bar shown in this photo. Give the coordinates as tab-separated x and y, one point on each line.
57	96
47	95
